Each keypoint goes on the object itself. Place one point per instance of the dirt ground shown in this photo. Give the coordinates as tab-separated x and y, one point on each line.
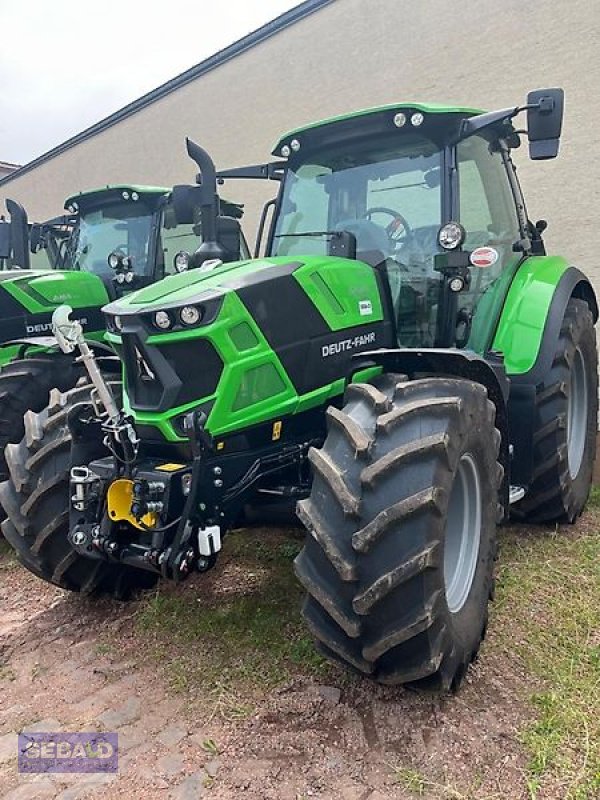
75	664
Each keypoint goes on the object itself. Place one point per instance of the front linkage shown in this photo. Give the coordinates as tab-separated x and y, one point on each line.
141	511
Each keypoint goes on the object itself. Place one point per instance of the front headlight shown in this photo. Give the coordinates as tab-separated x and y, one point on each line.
162	320
181	261
190	315
451	235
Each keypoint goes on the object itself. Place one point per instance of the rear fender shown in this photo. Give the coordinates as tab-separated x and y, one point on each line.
527	335
533	312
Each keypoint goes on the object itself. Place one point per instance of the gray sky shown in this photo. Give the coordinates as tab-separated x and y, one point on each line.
65	65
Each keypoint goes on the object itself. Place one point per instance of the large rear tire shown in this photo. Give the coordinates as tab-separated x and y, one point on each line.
25	384
566	422
36	500
398	566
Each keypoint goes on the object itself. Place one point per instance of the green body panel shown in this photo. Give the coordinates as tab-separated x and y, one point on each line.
521	326
336	287
342	284
426	108
39	292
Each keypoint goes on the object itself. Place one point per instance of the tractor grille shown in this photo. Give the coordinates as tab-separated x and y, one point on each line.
160	378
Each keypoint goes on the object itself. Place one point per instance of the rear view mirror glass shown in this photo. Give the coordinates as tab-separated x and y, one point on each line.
544	122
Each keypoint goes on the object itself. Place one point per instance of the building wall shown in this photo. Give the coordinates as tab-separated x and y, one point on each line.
352	54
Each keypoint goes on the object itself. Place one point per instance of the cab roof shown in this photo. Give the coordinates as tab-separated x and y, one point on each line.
113	192
383	113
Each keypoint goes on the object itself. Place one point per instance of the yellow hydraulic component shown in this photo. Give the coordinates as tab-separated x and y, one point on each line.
170	467
119	499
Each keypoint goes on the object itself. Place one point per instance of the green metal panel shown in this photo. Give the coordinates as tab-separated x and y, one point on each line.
521	327
93	193
426	108
43	291
344	291
254	386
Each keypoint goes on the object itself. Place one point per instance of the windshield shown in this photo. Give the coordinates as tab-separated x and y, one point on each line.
389	197
120	227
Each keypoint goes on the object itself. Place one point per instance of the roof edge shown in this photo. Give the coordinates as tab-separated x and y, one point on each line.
238	47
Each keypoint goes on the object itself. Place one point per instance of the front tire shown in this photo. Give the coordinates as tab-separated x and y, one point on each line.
398	566
36	500
25	385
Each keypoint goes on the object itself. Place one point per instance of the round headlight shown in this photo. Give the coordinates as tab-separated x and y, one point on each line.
190	315
456	284
295	145
125	195
126	261
113	260
285	151
120	277
451	235
118	322
181	261
162	320
400	120
417	119
135	196
129	277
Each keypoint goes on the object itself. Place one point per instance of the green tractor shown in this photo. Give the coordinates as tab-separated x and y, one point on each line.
112	241
406	364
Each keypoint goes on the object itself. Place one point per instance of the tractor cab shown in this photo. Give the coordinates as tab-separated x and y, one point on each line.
428	196
130	237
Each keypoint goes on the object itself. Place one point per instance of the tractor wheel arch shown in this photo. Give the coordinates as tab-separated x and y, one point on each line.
572	285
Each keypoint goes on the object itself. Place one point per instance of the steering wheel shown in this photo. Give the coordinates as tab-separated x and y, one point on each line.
398	229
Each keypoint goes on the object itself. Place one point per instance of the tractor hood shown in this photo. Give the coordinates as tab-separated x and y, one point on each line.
28	298
183	287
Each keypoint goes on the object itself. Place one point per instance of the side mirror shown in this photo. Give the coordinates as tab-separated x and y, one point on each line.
183	199
4	239
229	234
19	234
544	122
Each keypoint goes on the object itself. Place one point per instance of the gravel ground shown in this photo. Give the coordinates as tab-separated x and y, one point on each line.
73	664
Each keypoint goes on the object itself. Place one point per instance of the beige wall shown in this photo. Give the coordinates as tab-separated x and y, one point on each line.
352	54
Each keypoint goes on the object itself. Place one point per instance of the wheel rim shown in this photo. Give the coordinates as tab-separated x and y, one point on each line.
577	414
463	533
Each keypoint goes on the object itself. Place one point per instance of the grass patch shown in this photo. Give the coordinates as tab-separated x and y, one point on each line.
421	786
548	611
236	627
